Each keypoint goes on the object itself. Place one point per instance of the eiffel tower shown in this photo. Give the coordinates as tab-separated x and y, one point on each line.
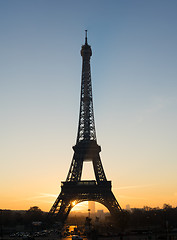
74	190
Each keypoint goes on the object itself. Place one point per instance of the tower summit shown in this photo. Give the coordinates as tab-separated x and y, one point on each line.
74	190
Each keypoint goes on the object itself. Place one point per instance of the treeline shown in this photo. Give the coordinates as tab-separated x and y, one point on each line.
149	218
10	218
135	218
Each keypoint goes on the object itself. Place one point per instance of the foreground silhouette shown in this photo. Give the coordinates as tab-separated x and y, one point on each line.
137	221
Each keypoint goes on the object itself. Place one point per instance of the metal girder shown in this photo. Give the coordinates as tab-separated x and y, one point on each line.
86	151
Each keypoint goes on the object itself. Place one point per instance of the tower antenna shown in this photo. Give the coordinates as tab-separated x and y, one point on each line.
86	37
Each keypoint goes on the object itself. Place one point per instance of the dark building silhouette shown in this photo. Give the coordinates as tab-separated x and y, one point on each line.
74	190
91	206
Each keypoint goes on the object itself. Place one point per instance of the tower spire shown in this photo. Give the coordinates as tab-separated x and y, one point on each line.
86	127
85	37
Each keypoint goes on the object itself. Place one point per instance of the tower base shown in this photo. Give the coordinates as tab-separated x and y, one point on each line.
73	193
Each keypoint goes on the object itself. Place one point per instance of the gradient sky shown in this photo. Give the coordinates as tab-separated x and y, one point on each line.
134	78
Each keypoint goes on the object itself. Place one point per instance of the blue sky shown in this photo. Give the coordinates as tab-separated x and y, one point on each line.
134	88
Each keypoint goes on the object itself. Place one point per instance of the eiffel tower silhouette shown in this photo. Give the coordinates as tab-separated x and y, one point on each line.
74	190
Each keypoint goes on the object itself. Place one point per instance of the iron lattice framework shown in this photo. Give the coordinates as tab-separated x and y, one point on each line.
86	128
73	190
